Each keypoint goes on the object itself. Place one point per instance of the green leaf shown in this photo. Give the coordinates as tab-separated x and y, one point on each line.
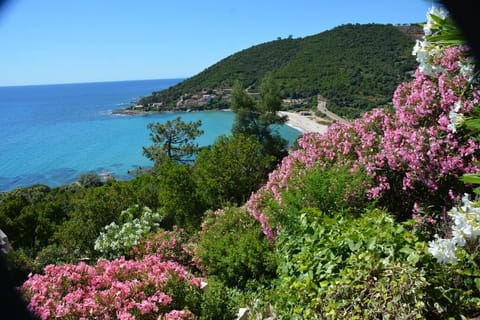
473	123
413	257
437	19
471	178
477	283
352	245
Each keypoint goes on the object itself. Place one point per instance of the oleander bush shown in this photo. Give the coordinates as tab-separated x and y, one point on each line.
414	154
339	263
153	285
171	245
455	274
117	289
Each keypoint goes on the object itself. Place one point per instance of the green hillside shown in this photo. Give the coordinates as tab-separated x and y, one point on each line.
355	67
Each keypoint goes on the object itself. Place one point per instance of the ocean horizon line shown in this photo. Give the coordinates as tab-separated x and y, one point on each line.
88	82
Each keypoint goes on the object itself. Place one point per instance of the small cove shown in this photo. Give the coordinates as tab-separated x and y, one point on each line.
53	133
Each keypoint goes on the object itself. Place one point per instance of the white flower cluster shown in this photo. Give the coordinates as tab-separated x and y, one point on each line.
423	49
431	24
117	240
456	118
467	69
466	225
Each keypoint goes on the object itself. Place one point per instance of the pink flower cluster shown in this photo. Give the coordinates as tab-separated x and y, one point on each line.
411	153
118	289
169	245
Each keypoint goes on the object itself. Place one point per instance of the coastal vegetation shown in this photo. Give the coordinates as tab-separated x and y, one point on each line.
370	220
173	140
256	117
354	67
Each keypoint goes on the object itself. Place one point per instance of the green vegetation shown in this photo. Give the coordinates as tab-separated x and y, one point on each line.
232	247
231	169
355	67
173	140
347	268
342	229
256	118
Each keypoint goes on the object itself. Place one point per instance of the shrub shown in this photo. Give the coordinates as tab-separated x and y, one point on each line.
218	302
414	154
342	267
91	209
455	273
232	247
118	289
117	240
52	254
19	265
174	245
178	196
331	189
88	180
231	169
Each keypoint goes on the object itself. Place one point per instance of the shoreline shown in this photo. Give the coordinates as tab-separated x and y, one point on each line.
304	124
133	112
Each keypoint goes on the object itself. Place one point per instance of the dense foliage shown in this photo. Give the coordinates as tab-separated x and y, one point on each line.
346	268
231	169
258	117
173	139
355	67
231	247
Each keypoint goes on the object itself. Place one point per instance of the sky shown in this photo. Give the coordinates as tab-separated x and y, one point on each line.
59	41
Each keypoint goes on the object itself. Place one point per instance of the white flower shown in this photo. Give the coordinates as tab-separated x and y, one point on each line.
466	69
424	52
456	120
443	250
458	237
439	12
117	239
431	24
457	106
466	225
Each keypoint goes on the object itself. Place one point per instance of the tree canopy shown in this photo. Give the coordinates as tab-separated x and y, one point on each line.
231	170
257	117
173	140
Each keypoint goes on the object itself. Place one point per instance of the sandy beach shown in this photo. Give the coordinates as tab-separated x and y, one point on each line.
303	123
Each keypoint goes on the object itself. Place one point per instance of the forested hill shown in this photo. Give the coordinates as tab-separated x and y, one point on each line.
355	67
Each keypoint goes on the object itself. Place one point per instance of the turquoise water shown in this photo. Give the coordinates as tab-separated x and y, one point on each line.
51	134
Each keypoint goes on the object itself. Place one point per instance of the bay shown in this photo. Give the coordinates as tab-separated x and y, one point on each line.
51	134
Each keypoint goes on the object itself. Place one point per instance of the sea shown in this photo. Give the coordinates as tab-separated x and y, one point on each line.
51	134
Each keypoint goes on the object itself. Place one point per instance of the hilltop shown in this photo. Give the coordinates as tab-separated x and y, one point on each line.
354	67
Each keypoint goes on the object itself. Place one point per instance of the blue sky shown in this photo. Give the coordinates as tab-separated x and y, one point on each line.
62	41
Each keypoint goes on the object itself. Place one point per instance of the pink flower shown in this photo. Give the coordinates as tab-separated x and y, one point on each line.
403	151
110	289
